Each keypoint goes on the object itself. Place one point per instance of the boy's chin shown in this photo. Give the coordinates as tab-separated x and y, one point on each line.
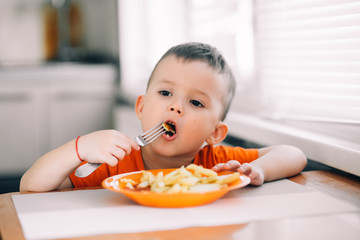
164	151
175	150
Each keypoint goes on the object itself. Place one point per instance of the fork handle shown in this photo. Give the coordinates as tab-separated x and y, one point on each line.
86	169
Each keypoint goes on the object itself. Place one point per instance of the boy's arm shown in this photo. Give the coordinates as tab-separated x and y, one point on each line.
279	161
273	163
52	170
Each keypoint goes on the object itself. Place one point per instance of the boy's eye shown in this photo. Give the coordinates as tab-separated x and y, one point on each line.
196	103
165	93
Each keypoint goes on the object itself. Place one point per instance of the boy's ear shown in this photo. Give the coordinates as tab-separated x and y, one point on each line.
219	134
139	105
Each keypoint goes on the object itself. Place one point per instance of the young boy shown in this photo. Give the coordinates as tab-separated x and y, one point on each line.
192	87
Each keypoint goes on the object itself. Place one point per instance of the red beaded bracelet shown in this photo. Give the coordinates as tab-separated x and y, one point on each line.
76	147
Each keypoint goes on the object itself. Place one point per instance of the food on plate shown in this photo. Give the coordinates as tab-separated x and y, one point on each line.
192	178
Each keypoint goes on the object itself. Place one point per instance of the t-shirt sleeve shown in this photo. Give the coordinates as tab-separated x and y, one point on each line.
243	155
210	155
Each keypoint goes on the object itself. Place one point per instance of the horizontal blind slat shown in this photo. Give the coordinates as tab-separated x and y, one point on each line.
343	45
314	67
313	23
322	78
320	55
348	32
335	90
312	12
267	6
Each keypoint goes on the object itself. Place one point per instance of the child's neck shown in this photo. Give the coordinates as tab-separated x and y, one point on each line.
152	161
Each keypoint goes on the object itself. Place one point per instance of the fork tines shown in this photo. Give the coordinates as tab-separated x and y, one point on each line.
150	135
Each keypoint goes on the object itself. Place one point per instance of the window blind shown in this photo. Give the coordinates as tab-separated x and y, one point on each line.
308	63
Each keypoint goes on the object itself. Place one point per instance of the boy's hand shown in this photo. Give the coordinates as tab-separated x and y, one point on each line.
106	146
256	174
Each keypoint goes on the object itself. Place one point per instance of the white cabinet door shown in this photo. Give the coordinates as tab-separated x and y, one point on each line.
78	110
80	102
21	130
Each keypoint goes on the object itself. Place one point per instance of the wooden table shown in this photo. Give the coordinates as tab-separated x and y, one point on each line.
334	183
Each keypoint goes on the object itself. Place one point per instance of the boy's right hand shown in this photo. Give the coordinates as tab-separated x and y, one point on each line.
105	146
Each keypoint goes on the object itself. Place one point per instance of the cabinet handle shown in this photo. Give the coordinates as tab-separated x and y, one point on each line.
14	97
82	96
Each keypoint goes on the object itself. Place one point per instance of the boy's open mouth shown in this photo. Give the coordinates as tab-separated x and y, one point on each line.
170	128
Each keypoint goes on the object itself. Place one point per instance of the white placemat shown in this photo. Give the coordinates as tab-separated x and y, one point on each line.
90	212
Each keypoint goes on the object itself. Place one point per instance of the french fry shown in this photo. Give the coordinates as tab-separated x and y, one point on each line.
226	179
205	187
203	171
127	181
143	184
147	176
175	188
189	181
129	185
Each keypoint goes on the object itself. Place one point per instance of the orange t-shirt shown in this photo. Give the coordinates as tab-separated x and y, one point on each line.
208	157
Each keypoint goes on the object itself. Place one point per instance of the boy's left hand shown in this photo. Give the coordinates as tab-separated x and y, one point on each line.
255	173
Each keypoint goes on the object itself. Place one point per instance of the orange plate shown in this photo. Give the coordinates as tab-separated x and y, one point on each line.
170	200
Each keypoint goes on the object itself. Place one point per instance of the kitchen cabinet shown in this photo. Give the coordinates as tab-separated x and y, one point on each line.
20	127
77	109
44	107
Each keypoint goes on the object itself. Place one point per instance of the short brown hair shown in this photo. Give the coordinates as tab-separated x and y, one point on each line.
210	55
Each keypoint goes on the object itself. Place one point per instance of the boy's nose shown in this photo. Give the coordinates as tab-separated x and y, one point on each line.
177	109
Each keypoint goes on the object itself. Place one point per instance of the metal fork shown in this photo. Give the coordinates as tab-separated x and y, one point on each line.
150	135
143	140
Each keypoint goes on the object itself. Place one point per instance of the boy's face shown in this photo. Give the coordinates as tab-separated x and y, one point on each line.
189	95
